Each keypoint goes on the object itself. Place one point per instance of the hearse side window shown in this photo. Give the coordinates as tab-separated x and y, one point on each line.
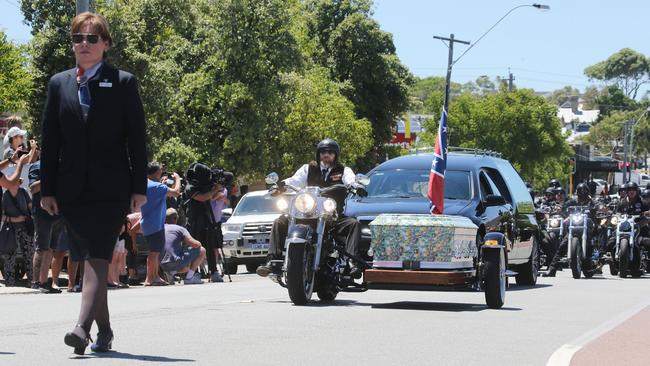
496	177
516	185
487	185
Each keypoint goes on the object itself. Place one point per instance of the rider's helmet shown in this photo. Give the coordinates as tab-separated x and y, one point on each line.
631	187
560	191
645	194
549	192
328	144
582	190
554	183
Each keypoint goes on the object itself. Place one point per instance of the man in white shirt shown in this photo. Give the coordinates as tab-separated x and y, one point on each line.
326	171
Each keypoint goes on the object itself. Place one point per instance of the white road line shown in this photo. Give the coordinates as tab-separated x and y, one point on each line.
563	355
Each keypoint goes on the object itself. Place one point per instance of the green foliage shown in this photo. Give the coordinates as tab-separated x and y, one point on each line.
319	110
566	94
14	77
362	57
50	50
612	99
519	124
176	155
607	135
627	68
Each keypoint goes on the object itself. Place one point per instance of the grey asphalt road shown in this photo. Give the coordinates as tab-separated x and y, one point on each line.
251	322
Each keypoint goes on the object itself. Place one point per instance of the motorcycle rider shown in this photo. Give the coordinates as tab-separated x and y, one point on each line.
554	183
550	240
583	199
632	204
560	196
326	171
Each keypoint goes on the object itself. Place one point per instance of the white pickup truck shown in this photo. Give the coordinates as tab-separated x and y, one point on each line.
247	233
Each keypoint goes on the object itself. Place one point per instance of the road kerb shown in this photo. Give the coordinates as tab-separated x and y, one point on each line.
563	355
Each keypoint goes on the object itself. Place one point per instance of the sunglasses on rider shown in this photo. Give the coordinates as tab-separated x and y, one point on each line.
330	152
88	37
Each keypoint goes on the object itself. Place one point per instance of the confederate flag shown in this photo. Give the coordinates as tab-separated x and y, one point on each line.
438	168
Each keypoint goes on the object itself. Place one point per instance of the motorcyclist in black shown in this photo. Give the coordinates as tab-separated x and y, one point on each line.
560	196
584	199
326	171
549	240
632	204
554	183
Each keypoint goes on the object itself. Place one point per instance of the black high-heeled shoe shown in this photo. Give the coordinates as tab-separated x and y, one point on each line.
104	342
79	343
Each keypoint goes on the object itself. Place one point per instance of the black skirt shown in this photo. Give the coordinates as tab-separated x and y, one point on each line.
93	228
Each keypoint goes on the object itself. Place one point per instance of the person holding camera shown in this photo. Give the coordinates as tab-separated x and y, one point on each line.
205	186
153	219
14	140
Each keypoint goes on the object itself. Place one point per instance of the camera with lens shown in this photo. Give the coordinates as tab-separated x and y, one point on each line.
202	178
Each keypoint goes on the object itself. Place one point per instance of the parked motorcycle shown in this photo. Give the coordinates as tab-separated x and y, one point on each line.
313	260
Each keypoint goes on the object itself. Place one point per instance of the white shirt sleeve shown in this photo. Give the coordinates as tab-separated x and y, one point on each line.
299	179
348	177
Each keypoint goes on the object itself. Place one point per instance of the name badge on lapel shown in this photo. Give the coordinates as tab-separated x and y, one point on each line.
105	84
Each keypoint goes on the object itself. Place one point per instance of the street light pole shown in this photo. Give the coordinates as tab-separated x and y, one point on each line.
83	6
451	62
631	138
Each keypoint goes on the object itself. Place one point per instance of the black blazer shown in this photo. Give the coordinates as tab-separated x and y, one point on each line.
102	159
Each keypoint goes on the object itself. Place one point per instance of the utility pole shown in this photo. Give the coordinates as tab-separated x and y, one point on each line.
450	64
625	139
511	79
83	6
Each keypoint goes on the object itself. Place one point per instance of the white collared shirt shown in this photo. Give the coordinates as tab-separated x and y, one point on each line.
92	71
299	179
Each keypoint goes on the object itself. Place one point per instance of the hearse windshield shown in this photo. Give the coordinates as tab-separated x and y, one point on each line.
402	183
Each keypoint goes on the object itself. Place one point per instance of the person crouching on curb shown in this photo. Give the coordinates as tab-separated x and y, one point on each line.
182	253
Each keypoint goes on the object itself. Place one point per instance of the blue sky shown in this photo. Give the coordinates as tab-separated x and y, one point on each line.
545	50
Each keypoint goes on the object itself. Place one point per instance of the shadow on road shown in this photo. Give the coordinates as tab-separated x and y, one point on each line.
436	306
524	288
129	356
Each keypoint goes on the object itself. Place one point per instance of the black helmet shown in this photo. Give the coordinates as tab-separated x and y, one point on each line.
549	190
559	190
582	190
645	193
554	183
328	144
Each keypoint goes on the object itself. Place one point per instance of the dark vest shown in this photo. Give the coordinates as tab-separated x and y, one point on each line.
315	179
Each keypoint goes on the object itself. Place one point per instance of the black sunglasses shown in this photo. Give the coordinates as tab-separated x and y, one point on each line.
331	152
90	38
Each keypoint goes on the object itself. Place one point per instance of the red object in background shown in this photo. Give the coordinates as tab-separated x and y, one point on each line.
400	138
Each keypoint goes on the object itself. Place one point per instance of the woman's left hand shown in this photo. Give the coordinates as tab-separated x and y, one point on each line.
137	201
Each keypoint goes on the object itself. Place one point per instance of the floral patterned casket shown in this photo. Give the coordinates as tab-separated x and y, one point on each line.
401	241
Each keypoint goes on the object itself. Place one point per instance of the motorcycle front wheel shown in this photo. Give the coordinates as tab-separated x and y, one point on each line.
623	257
300	277
576	257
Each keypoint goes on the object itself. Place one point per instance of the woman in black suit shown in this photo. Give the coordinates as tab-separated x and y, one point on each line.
93	165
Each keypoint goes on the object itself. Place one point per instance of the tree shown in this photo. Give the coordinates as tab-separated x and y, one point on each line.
628	69
14	77
49	50
567	94
319	110
176	155
612	99
522	126
361	56
607	135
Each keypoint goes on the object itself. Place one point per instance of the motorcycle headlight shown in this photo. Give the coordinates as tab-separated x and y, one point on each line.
577	219
329	205
555	223
282	204
614	220
305	203
603	222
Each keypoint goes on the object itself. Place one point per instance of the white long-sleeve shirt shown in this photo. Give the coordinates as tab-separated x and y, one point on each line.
299	179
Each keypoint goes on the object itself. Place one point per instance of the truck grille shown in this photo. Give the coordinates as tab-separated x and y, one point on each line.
257	229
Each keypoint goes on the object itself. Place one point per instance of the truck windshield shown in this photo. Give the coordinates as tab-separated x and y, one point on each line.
414	184
256	205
